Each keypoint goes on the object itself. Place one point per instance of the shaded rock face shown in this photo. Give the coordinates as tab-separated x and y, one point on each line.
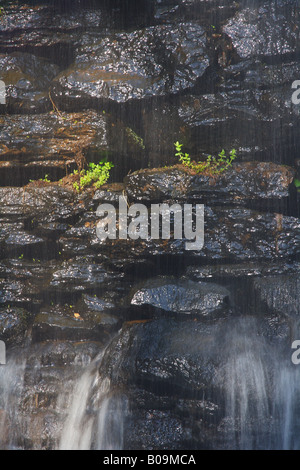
279	38
129	66
243	229
228	67
168	340
254	181
28	78
54	145
181	297
204	381
142	344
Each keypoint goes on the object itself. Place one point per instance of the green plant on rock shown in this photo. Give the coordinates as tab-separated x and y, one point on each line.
212	165
134	138
45	179
96	175
297	184
183	157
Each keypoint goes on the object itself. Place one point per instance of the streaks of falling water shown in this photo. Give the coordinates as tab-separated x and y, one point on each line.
77	431
95	415
110	423
11	386
286	408
262	392
260	386
247	403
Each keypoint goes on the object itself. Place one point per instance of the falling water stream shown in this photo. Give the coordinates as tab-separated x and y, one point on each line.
260	390
95	417
11	387
261	393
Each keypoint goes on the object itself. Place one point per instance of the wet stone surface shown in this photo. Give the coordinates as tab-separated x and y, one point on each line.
144	336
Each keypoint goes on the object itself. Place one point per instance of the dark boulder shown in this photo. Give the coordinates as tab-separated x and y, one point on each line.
181	297
14	323
159	61
266	29
255	181
27	79
60	324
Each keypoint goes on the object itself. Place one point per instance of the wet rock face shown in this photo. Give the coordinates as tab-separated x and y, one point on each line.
279	293
209	11
232	234
165	387
229	68
153	62
56	144
172	341
222	120
14	322
28	78
244	181
183	297
275	37
47	144
185	337
59	326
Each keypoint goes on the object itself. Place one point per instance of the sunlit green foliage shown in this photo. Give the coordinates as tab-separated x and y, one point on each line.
212	165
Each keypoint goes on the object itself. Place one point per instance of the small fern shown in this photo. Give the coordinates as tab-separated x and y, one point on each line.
96	175
213	165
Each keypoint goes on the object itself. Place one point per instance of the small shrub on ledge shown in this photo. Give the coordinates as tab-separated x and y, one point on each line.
96	175
211	166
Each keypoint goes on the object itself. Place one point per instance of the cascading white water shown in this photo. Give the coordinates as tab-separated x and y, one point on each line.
110	423
77	431
95	416
262	391
246	392
285	405
259	384
11	386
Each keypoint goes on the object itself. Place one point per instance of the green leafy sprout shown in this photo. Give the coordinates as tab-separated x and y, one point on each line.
135	139
96	175
45	179
297	184
213	165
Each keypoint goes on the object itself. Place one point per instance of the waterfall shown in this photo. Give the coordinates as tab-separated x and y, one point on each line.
95	415
11	386
261	393
259	385
246	392
110	431
286	409
77	430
